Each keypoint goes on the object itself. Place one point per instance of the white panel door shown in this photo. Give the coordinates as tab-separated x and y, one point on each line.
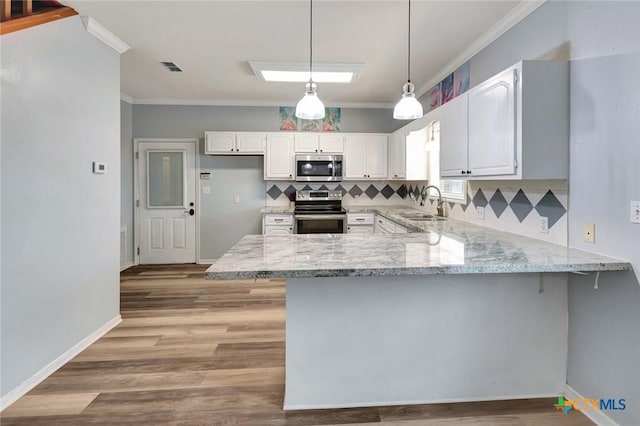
167	192
492	126
250	143
332	143
279	157
355	157
306	142
377	156
220	142
454	137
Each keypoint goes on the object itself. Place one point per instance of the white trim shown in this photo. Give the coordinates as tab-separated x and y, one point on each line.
596	416
136	191
127	266
104	35
417	402
17	392
514	16
206	261
127	98
288	102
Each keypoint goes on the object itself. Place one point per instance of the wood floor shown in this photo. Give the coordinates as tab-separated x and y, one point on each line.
196	352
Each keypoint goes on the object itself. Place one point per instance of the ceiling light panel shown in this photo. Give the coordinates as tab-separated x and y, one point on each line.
297	72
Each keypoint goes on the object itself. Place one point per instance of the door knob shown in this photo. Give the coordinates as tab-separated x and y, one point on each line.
190	211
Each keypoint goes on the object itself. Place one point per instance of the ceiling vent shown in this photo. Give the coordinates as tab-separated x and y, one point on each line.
171	66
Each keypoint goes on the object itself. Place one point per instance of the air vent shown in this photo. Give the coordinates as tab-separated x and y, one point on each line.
171	66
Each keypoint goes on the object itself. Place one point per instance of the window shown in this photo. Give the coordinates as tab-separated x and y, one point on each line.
452	189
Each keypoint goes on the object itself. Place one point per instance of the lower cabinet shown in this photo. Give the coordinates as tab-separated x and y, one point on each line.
277	224
360	223
386	226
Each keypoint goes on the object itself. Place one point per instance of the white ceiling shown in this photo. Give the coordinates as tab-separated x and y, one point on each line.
213	40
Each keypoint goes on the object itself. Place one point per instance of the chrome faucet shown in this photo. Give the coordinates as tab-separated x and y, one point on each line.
423	197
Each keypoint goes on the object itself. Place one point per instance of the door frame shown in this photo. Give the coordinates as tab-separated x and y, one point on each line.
136	191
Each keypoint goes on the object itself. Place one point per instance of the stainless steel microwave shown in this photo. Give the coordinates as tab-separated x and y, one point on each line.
318	168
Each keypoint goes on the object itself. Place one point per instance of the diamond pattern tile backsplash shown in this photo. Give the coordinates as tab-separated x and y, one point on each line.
279	193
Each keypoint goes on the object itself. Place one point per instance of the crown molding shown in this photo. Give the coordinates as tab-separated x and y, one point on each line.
207	102
104	35
514	16
124	97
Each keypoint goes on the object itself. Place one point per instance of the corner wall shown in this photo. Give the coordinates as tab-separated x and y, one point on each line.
60	222
126	182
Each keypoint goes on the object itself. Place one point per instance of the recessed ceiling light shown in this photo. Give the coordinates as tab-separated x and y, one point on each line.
297	72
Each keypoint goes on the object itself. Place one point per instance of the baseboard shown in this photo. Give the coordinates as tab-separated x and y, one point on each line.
127	265
289	407
596	416
14	394
206	261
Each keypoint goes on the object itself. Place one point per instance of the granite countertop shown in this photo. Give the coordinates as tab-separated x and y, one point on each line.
277	209
447	247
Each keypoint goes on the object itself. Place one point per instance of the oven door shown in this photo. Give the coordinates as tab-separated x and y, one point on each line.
320	223
318	169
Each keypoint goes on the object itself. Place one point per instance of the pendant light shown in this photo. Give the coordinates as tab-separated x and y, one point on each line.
310	106
408	106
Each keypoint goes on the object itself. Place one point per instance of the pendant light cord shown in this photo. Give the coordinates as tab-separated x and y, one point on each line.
409	46
310	40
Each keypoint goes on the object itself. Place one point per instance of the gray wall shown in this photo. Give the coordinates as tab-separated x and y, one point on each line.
223	222
126	183
60	222
602	39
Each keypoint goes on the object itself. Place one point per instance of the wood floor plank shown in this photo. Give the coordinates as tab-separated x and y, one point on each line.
49	405
197	352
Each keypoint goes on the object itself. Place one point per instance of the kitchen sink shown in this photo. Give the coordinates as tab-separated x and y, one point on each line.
423	217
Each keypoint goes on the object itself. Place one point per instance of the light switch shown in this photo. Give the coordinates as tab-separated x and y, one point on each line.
206	190
236	199
635	212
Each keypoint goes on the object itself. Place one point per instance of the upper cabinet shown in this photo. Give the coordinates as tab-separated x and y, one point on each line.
234	143
365	156
515	125
279	157
397	155
316	143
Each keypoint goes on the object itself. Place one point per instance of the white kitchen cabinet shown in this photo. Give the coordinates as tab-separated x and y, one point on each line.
519	123
316	143
454	137
234	143
277	224
384	225
397	155
365	156
279	157
360	223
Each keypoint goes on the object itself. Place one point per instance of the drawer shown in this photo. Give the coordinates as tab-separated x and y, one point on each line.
278	219
360	219
278	230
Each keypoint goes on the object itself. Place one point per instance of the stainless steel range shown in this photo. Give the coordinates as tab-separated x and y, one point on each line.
320	212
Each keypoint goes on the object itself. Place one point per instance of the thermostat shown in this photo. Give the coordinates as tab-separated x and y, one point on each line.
99	168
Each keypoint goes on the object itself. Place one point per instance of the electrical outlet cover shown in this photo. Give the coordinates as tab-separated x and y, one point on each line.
544	225
589	233
635	212
480	212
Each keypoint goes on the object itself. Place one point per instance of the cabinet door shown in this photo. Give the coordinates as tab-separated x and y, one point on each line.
219	142
278	158
306	142
364	230
278	230
250	143
332	143
492	126
396	157
454	137
355	157
376	156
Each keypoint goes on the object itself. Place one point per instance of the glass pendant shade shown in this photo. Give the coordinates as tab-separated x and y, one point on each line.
408	107
310	106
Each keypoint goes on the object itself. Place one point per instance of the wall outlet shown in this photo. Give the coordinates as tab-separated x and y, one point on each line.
206	190
544	225
589	233
480	213
635	212
236	199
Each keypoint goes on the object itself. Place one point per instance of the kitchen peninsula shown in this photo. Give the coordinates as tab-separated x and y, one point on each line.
450	312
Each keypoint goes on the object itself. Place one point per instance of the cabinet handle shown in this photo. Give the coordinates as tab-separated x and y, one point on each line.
231	149
316	150
290	175
464	173
360	219
348	227
278	220
320	150
365	175
468	172
290	229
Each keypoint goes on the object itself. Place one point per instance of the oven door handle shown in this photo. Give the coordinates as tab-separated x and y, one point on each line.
320	216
